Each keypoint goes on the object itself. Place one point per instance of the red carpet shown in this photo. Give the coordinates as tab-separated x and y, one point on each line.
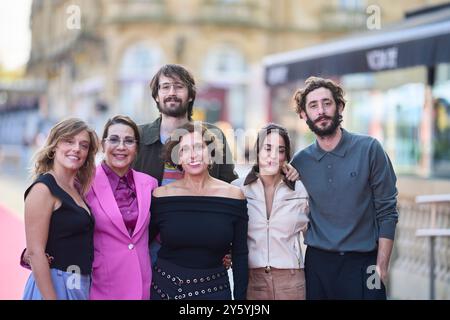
12	275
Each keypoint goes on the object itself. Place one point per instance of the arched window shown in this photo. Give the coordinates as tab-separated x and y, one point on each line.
225	72
225	61
138	65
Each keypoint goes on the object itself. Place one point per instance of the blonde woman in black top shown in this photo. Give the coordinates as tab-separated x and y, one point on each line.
58	224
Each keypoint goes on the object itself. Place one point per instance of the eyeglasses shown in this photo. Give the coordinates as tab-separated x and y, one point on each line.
115	141
177	87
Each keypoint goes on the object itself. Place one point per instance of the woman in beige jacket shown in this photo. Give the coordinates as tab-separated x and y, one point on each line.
277	210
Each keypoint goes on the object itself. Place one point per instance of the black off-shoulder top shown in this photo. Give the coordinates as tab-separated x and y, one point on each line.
197	231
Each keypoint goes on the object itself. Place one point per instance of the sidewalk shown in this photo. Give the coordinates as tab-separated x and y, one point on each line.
12	276
12	233
12	187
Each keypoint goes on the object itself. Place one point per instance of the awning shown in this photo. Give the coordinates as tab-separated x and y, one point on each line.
423	40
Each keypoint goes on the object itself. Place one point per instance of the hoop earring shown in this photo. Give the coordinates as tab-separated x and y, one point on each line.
51	155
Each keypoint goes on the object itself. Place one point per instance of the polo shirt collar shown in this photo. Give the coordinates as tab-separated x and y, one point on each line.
339	150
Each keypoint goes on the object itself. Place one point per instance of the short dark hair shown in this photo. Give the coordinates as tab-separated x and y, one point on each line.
171	71
175	138
313	83
121	119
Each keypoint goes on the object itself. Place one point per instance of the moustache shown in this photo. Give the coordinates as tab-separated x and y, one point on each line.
175	99
322	118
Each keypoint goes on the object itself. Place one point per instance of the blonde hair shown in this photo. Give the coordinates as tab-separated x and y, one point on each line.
44	157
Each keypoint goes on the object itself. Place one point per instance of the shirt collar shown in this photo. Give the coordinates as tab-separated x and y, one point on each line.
114	178
339	150
150	132
253	176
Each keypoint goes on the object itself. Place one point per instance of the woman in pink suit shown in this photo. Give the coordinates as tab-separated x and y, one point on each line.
120	202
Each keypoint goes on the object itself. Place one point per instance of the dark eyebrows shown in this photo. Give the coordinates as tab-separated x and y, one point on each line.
270	145
117	136
315	101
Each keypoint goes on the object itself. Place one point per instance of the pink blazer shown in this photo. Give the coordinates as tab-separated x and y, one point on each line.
121	267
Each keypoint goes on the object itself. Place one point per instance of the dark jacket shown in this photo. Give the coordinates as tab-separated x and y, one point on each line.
149	158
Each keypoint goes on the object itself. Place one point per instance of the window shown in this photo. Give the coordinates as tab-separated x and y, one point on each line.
224	60
393	117
225	70
441	129
351	5
139	63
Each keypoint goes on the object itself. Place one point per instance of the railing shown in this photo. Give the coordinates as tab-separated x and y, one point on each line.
11	155
433	233
410	266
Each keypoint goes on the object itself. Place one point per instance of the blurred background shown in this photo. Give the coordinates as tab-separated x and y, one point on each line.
95	58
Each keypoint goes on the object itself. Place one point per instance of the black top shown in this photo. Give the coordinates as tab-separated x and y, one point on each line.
71	233
197	231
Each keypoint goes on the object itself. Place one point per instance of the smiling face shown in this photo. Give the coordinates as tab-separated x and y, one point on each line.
120	148
173	97
193	154
272	154
322	115
71	152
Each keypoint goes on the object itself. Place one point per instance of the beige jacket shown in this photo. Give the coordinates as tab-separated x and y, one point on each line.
275	242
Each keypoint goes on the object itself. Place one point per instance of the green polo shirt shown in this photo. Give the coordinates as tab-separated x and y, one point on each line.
352	192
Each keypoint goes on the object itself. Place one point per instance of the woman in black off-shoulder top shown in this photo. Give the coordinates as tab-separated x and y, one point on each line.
198	219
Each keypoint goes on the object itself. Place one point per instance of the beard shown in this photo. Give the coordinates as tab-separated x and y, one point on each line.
326	131
177	112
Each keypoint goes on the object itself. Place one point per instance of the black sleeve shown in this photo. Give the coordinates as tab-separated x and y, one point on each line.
239	254
226	170
153	226
223	168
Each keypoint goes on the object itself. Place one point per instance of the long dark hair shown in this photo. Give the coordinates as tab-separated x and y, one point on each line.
262	134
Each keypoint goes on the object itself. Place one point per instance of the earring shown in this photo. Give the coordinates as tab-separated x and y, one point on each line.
51	155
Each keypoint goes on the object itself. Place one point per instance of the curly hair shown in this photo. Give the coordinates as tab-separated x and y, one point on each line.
210	139
44	157
313	83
